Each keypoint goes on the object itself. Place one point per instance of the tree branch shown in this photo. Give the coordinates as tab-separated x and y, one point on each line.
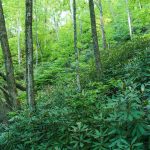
19	86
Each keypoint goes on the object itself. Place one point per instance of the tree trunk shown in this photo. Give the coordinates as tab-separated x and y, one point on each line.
102	24
71	9
129	19
56	26
8	61
75	47
18	36
29	56
45	24
111	9
98	63
140	6
38	47
36	33
81	27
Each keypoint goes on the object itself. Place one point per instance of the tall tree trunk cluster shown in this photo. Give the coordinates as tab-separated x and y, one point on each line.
8	61
10	78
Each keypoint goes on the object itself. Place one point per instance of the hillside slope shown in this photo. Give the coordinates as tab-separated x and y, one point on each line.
112	114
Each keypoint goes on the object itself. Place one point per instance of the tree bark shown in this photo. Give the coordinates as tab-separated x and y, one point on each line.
29	56
140	6
98	63
18	36
129	19
45	23
36	33
102	24
71	9
8	61
75	47
56	26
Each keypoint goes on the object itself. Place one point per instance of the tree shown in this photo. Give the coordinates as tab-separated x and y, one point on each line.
129	19
99	4
140	6
11	85
18	35
36	33
98	63
75	46
29	56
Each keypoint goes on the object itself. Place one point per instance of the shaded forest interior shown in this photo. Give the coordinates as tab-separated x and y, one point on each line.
74	75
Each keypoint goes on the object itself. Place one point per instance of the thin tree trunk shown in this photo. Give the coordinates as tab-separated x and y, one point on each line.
29	56
98	63
8	61
140	6
129	19
18	35
75	47
45	25
40	50
111	9
115	21
71	9
102	24
36	33
56	27
81	28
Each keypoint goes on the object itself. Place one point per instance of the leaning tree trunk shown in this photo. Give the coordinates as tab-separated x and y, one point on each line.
75	46
98	63
8	61
29	56
129	19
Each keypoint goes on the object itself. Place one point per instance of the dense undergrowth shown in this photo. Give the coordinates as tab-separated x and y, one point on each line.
111	114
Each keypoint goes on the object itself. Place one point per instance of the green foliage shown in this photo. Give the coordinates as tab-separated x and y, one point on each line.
116	123
111	114
106	115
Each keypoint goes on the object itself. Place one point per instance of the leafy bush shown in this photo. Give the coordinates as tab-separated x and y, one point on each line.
112	114
118	122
